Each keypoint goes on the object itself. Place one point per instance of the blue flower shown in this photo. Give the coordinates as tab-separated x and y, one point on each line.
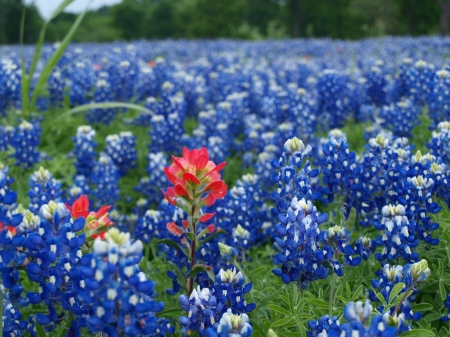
84	152
122	150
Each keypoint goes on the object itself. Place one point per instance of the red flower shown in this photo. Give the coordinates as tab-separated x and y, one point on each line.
194	173
174	229
94	220
194	167
11	229
205	217
211	228
218	190
80	208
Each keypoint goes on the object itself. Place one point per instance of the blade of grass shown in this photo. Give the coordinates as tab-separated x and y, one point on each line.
37	53
56	56
108	105
26	79
23	68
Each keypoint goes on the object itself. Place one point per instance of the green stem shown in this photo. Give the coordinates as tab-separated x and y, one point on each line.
333	284
190	281
405	294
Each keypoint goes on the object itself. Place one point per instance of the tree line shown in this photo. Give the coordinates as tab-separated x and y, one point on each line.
242	19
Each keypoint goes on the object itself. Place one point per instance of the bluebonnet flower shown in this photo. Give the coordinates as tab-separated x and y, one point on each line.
43	189
105	177
10	84
376	84
151	186
206	305
246	206
84	152
398	237
126	73
6	135
146	85
102	94
80	80
151	225
365	246
439	109
338	166
166	133
324	326
334	98
231	325
294	175
338	238
122	150
56	87
419	82
8	197
411	275
25	140
118	294
204	310
439	143
401	117
358	323
80	186
297	239
230	288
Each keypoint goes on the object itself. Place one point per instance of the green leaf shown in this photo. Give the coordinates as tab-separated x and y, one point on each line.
174	245
433	317
418	333
278	309
257	327
281	322
395	291
442	291
106	105
212	236
40	330
318	303
422	307
381	298
54	59
351	221
357	293
197	268
348	290
65	328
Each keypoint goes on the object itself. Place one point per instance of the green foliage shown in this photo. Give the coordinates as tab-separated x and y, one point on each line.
10	17
243	19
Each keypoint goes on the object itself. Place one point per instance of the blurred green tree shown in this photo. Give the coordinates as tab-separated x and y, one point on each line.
10	19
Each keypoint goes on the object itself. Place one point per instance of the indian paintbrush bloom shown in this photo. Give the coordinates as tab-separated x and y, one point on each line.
94	220
197	183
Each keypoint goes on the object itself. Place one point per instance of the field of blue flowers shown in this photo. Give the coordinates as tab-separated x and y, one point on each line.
225	188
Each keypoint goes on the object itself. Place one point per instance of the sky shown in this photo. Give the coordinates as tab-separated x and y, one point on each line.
46	7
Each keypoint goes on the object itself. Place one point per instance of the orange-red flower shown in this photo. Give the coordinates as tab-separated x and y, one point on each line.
94	220
80	207
194	173
10	228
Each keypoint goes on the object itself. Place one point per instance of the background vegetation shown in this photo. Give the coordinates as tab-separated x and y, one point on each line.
244	19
